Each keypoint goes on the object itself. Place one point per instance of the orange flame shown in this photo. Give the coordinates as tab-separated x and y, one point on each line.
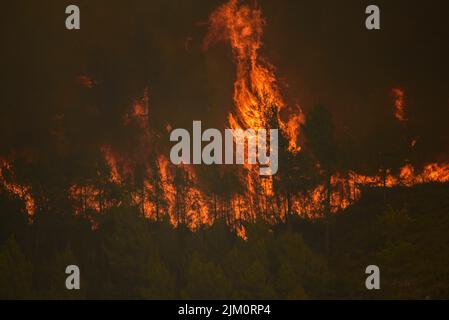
21	191
256	93
257	97
399	104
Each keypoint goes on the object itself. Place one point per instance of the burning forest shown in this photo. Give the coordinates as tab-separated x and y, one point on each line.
146	179
340	135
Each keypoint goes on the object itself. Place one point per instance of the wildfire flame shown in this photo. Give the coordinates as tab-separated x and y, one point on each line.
21	191
166	190
257	97
256	92
399	104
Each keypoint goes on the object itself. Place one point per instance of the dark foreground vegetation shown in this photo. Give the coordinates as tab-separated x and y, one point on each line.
403	230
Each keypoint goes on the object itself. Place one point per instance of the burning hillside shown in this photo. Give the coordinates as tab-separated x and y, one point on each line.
147	180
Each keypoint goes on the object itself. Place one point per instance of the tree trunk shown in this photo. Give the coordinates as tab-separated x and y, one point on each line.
327	213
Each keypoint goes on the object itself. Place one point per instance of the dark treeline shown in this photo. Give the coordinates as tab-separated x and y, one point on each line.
131	257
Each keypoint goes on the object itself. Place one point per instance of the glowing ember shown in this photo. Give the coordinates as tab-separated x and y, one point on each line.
85	81
241	232
399	104
112	163
20	191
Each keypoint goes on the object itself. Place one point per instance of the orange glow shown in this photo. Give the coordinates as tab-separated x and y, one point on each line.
241	232
85	81
86	198
23	192
292	130
112	163
399	104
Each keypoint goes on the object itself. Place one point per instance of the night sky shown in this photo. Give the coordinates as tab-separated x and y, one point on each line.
321	50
